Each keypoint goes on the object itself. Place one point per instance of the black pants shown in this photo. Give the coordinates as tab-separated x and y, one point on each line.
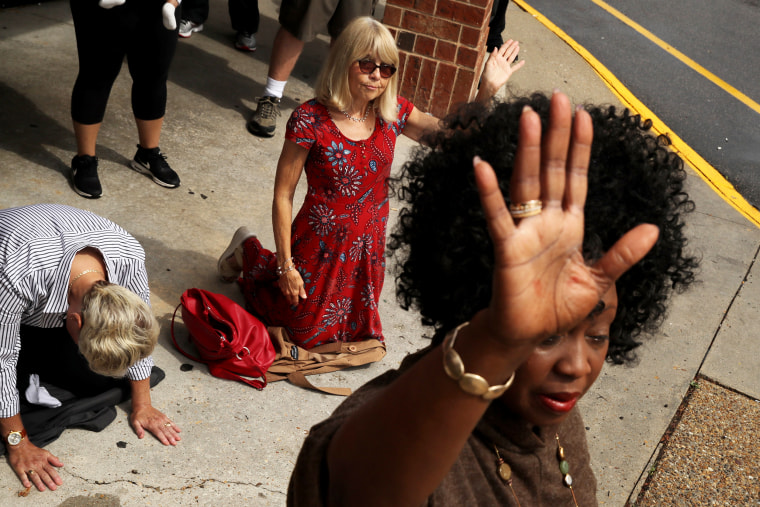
244	14
104	38
88	399
53	355
497	24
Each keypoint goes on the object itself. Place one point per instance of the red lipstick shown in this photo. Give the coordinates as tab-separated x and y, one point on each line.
559	402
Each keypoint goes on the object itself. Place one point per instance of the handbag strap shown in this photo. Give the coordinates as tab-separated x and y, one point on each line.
299	379
222	372
319	359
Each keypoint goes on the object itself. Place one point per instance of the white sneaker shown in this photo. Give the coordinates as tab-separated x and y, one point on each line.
186	28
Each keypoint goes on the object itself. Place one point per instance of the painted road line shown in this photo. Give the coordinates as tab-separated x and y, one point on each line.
703	168
682	57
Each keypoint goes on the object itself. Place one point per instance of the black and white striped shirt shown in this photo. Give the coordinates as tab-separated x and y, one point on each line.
37	246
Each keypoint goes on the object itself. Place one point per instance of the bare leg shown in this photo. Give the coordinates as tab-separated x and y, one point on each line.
87	138
285	52
149	132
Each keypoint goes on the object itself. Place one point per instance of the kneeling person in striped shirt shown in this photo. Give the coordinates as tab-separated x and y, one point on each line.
74	311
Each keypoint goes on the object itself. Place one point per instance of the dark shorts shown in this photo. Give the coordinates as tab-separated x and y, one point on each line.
304	19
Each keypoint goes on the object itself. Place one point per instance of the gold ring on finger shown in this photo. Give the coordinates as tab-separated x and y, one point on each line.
31	472
168	424
526	209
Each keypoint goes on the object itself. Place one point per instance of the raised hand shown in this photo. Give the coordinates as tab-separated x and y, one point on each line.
499	68
541	283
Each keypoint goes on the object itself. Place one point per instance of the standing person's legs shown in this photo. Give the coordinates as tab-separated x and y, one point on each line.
86	137
286	49
149	132
149	57
300	21
193	14
245	18
497	24
99	65
346	11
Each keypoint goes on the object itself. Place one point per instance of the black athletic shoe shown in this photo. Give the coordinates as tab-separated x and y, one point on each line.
84	176
153	163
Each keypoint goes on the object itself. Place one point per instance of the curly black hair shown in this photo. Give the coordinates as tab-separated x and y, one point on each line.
441	244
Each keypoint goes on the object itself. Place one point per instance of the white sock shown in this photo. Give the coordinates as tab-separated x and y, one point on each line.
274	88
107	4
170	22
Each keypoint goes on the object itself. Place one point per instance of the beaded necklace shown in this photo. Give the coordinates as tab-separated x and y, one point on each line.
505	471
357	120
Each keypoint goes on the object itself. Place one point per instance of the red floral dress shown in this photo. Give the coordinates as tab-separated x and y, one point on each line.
338	236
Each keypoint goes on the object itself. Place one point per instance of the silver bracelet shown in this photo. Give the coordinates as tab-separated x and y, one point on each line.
281	270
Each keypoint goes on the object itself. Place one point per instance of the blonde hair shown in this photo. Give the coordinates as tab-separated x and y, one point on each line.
119	329
364	36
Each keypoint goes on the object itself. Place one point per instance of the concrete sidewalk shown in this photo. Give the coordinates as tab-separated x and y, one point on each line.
239	445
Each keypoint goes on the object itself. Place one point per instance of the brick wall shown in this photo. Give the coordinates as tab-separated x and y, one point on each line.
442	46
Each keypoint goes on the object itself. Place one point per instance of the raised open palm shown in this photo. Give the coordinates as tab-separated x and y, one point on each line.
541	283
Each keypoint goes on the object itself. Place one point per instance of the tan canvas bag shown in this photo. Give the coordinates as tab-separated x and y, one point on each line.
294	363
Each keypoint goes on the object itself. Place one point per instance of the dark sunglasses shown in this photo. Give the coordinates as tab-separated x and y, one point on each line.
368	67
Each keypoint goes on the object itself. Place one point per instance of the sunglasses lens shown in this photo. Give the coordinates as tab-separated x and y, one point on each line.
386	70
368	67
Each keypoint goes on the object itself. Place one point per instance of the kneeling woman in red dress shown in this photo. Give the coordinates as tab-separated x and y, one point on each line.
323	283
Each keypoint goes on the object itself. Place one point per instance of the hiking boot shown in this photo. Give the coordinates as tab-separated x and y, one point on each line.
152	163
187	27
245	41
84	176
264	120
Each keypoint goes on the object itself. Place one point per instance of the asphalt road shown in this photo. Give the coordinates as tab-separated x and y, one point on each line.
721	36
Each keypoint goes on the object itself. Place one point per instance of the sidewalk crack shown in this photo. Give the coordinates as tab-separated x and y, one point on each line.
196	482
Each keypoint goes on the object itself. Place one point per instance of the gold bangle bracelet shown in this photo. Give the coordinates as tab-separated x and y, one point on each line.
468	382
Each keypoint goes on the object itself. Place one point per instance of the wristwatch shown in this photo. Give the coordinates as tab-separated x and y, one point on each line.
15	437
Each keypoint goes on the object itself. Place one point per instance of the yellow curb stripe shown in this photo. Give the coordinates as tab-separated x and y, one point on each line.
684	59
706	171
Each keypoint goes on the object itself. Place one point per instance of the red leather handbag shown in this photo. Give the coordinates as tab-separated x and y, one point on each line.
233	343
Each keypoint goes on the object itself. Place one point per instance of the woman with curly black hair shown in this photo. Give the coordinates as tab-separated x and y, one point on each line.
527	301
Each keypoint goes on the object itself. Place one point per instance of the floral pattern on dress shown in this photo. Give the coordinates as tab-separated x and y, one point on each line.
338	235
360	248
347	180
322	219
337	154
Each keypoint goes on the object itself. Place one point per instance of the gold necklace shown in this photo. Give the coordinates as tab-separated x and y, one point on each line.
505	471
82	274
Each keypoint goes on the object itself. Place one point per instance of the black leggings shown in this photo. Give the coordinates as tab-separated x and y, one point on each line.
104	38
